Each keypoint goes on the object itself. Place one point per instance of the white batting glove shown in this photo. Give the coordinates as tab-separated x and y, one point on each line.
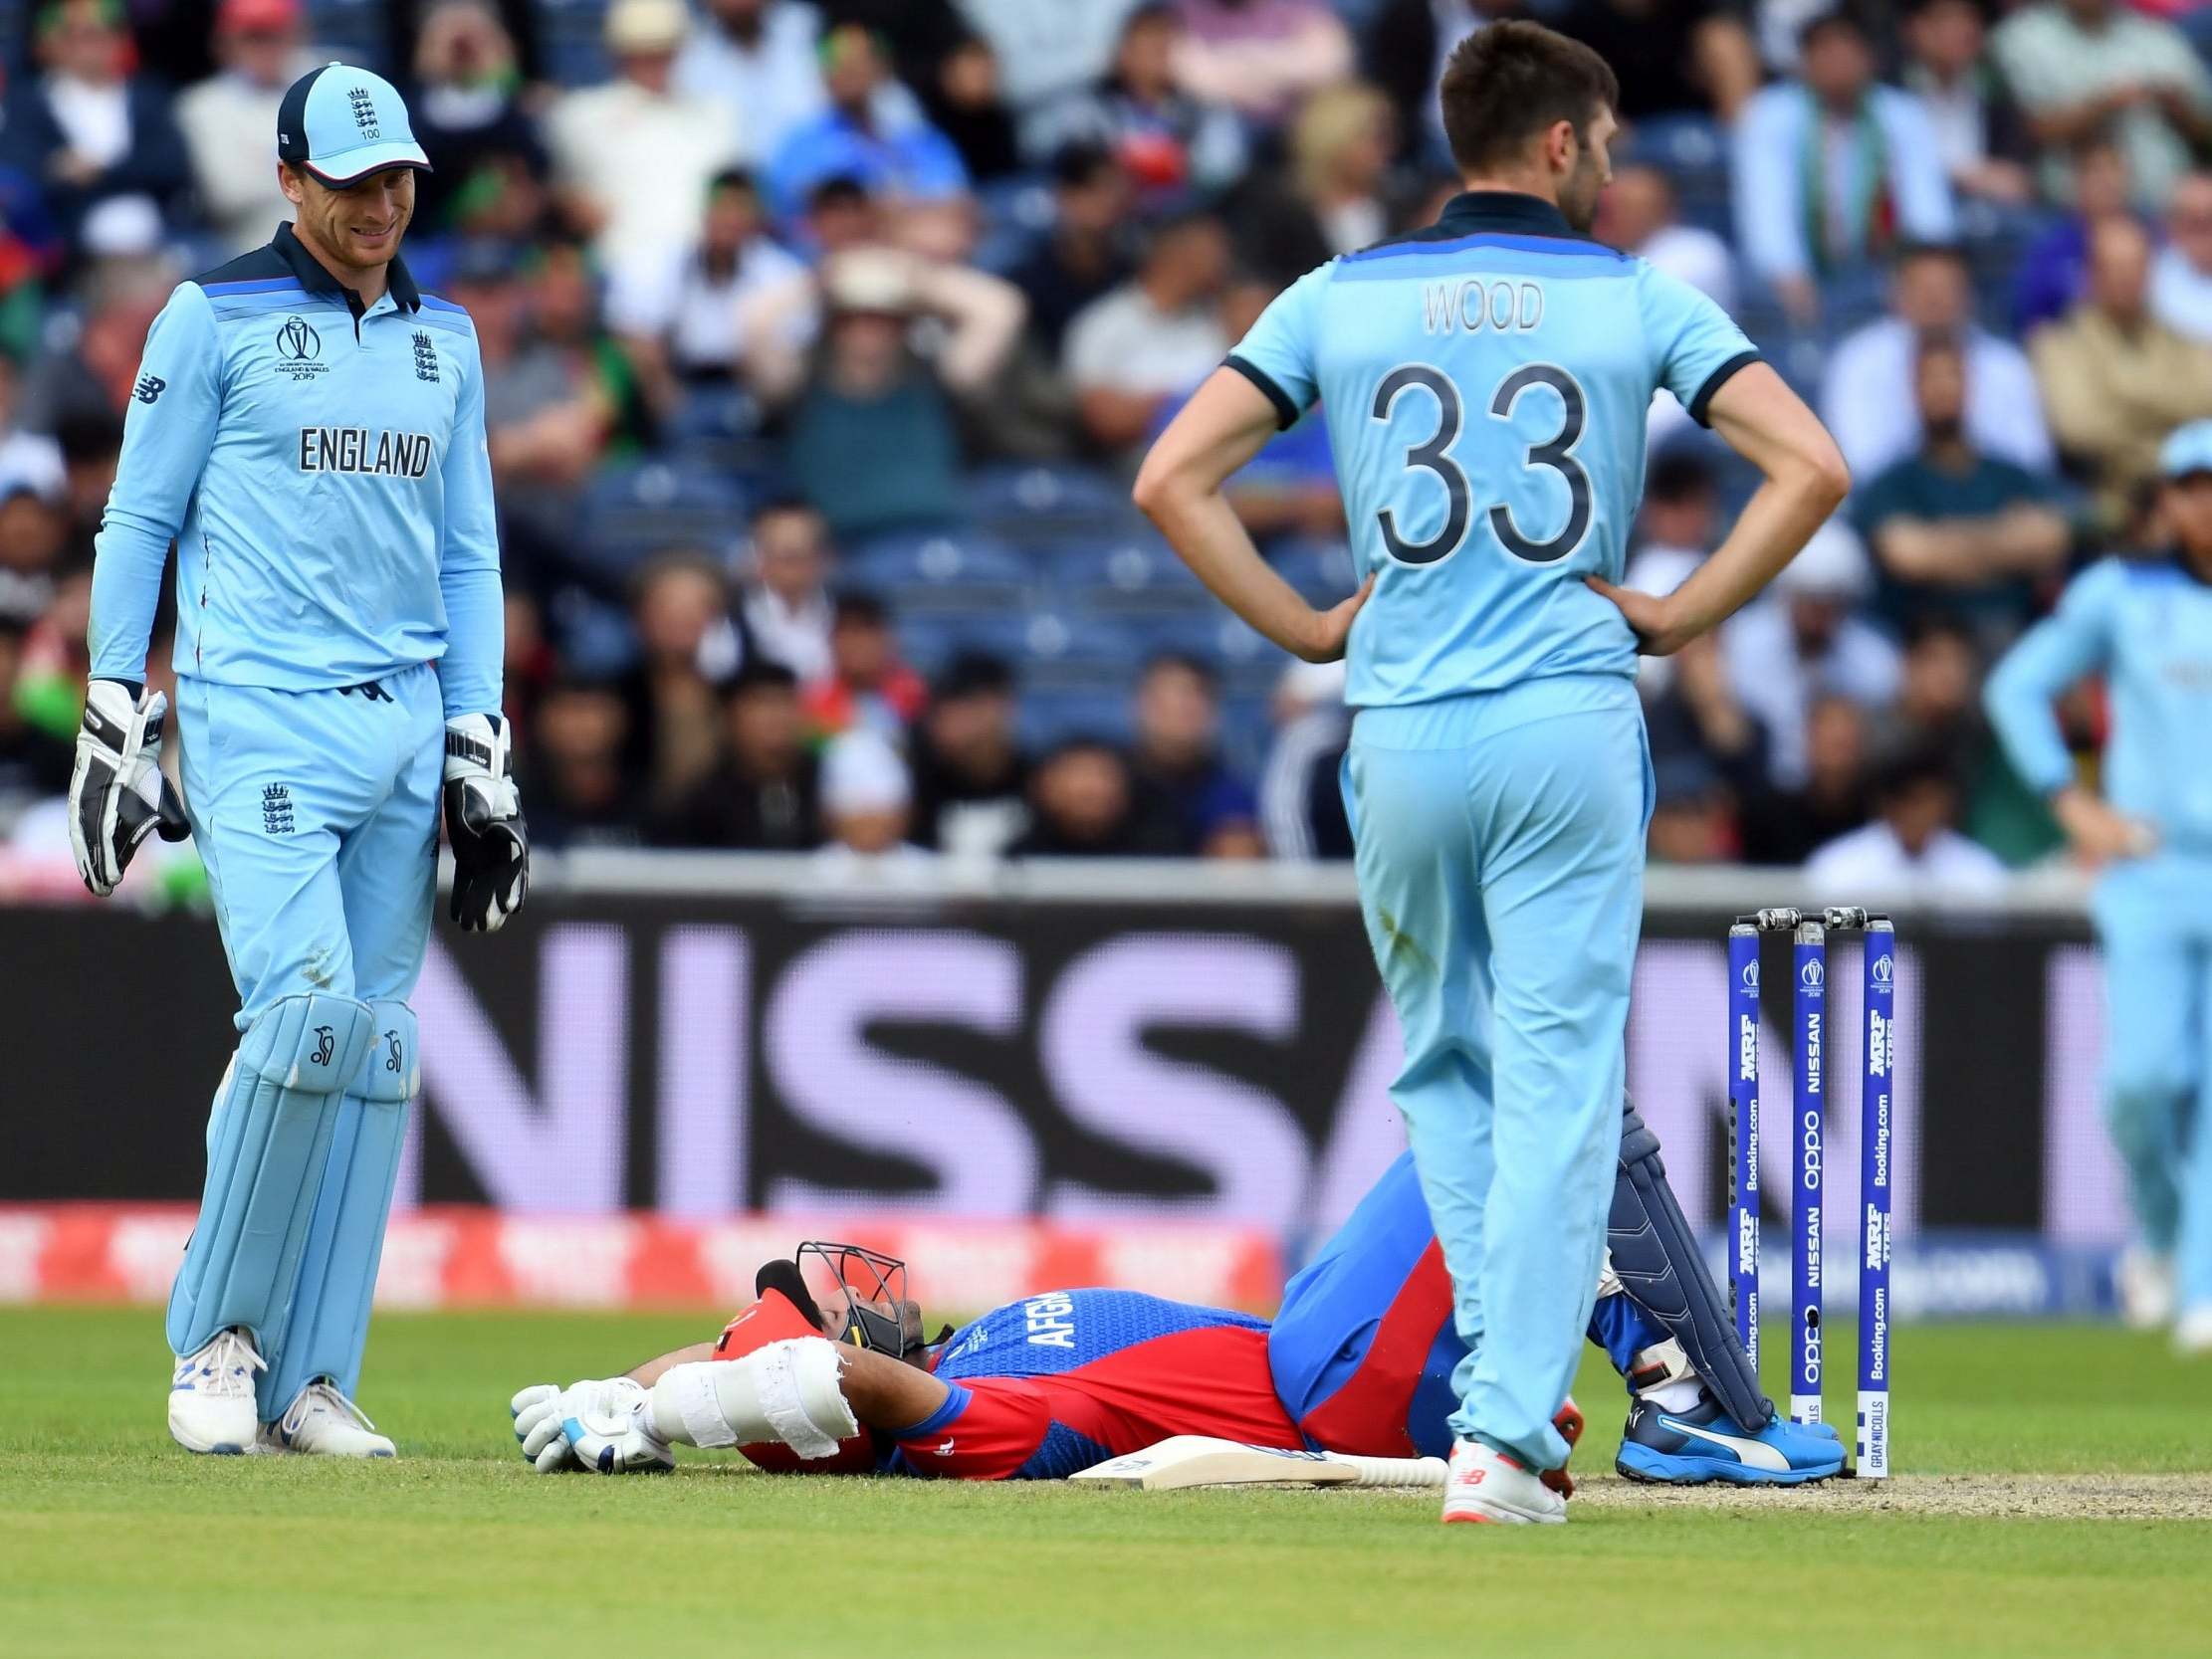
484	823
117	794
604	1426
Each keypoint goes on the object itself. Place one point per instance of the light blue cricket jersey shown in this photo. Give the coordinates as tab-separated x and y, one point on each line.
2146	625
1487	382
325	480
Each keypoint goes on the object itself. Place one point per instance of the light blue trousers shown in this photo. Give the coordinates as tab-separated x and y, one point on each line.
315	816
2155	920
1499	840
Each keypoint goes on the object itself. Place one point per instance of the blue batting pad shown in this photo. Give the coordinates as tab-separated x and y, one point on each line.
327	1325
266	1147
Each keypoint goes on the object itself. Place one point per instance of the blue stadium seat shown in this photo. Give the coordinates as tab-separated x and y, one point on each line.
943	572
1047	717
1043	504
1320	570
1128	576
633	509
1246	663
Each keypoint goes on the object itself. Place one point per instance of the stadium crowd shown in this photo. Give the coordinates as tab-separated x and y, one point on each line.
821	340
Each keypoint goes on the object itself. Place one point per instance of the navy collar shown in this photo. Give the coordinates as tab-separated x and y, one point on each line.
315	278
1512	211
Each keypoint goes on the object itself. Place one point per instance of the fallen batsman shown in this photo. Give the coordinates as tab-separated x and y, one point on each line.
828	1371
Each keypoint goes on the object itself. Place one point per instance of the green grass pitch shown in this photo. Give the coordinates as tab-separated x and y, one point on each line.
2055	1498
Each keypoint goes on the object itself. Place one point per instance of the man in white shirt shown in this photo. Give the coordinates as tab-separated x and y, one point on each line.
1636	215
785	596
759	57
261	45
1867	394
1909	853
2181	271
632	155
1803	640
684	311
1154	338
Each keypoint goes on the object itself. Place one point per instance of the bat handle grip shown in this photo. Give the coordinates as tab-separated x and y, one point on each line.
1405	1472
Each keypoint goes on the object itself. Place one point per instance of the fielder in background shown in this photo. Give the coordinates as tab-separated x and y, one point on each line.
2145	625
308	429
1487	382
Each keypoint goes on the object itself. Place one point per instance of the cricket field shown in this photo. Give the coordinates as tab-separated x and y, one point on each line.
2054	1496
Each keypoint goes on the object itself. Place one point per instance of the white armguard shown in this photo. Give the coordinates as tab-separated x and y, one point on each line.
790	1392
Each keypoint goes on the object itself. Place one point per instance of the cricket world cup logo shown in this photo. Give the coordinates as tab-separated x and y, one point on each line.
298	348
1751	978
1811	975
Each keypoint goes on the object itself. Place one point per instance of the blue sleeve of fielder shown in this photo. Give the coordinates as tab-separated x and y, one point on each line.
468	561
1695	345
1277	353
2073	641
166	435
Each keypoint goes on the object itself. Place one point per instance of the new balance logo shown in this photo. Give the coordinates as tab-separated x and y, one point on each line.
150	387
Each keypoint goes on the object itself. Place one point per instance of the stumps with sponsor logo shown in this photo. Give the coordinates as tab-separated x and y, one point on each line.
1809	931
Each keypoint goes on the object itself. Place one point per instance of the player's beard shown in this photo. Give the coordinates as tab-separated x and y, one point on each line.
1579	191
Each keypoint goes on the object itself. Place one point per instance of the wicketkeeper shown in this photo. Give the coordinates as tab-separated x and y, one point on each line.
308	427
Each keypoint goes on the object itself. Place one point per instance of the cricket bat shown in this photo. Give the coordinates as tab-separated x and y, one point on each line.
1191	1460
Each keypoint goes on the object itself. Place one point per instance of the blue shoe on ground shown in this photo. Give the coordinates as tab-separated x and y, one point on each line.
1690	1448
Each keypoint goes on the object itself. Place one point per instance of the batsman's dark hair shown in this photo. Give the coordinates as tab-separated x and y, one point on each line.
1510	80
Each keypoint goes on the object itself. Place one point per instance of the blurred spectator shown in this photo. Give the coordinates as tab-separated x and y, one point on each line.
1956	531
1910	851
785	600
688	648
1329	201
680	314
1980	134
1804	639
868	391
1086	253
1168	142
2116	379
228	118
761	58
1259	57
764	793
92	134
965	103
2053	271
1782	825
1079	798
1692	816
1187	801
1404	54
1636	215
576	787
90	440
1938	705
1301	799
633	155
1155	336
1674	533
1676	57
867	684
1867	394
1832	170
30	249
881	141
469	118
34	764
33	533
970	776
1047	55
2087	66
867	807
90	373
27	459
2181	273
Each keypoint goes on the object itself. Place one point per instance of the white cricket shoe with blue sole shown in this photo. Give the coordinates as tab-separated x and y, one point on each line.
211	1396
1702	1444
321	1422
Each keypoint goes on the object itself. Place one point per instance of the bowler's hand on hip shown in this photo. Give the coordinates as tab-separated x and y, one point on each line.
484	823
117	794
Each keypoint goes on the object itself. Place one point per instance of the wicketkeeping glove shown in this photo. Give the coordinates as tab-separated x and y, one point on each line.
117	794
484	823
604	1426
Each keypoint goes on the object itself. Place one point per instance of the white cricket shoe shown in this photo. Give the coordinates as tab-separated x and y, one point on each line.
1486	1484
2192	1331
2145	1284
211	1395
321	1422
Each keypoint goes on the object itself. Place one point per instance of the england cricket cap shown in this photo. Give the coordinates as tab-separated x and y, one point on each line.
2188	450
343	124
